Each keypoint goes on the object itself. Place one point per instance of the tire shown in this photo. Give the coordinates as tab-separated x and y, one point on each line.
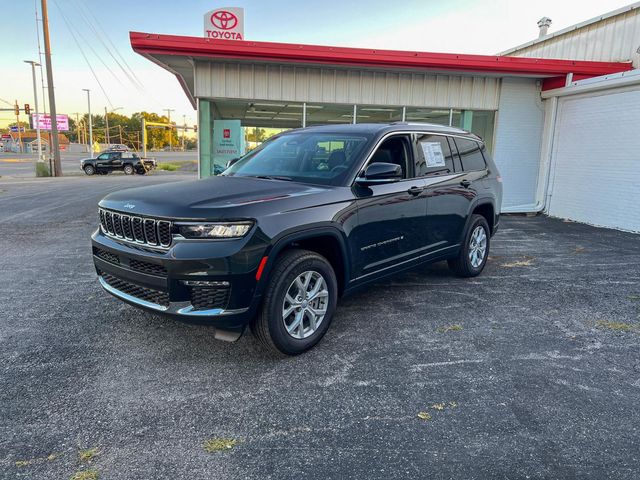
128	169
89	169
466	264
272	327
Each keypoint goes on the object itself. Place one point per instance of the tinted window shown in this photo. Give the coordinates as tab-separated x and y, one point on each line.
394	150
470	154
308	157
433	155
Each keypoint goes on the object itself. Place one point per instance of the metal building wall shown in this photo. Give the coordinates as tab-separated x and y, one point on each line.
260	81
615	37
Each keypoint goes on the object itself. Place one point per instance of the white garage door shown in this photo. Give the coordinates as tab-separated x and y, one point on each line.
595	173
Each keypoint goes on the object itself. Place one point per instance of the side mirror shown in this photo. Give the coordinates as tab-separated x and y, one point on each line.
380	172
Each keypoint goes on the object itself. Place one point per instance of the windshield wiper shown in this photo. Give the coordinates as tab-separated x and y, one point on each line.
272	177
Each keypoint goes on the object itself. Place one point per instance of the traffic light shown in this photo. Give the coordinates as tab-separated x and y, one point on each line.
16	109
27	109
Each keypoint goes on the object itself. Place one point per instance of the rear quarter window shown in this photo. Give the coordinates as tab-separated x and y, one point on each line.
470	154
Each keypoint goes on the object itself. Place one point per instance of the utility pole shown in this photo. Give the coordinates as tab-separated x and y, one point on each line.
144	138
106	130
17	109
184	128
90	142
57	165
169	110
35	97
77	126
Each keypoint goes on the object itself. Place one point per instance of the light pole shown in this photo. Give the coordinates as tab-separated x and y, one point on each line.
35	96
90	142
169	110
106	122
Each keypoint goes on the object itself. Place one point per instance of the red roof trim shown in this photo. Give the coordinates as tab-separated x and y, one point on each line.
151	43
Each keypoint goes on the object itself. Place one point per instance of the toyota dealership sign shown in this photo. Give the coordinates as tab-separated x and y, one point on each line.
225	23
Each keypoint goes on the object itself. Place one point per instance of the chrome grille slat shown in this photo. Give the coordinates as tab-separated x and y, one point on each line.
141	230
150	231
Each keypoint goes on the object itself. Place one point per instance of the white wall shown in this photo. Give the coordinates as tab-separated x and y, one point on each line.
613	38
260	81
518	137
596	159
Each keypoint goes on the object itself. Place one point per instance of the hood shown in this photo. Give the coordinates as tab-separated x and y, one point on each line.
216	198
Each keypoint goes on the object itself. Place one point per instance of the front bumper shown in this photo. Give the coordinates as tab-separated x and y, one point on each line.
203	282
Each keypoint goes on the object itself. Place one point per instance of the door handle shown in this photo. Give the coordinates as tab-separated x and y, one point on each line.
465	183
415	190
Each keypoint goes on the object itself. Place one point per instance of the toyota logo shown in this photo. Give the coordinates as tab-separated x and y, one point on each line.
224	20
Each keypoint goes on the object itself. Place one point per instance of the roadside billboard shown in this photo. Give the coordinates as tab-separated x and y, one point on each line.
44	122
225	23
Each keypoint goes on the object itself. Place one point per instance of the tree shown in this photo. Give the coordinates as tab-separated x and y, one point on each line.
258	135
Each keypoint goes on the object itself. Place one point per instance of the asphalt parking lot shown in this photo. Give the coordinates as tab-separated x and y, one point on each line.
531	370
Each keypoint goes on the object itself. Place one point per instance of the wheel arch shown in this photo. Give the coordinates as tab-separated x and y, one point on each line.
330	242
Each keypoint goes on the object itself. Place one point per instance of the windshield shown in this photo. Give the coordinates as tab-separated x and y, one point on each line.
307	157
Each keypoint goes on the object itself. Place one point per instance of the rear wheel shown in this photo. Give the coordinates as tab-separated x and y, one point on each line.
475	249
89	169
298	303
129	170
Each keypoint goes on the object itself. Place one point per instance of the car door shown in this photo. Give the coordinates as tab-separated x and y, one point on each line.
448	197
390	231
102	161
116	160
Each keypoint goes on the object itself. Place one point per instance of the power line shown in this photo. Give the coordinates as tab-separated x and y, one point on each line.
89	44
129	72
66	21
97	35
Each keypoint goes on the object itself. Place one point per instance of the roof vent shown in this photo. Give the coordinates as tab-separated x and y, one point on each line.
543	24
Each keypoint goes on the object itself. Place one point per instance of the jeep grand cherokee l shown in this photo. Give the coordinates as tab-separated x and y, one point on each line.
306	218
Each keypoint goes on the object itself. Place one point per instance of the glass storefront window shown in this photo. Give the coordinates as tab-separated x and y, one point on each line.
328	113
480	122
378	114
439	116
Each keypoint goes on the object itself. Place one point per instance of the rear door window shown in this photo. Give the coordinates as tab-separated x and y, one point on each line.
470	154
433	155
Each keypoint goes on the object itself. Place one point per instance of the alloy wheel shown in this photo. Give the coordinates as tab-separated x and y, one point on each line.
477	246
305	304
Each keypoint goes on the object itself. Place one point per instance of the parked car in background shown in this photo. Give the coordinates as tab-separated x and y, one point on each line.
109	161
118	147
309	216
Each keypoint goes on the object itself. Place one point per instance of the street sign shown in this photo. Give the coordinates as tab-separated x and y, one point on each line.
15	129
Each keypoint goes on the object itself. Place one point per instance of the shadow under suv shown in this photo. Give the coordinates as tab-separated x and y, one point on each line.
309	216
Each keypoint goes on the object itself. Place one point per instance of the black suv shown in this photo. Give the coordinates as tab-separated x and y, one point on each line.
112	160
307	217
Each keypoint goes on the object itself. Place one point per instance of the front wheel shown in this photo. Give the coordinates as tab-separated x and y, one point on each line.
298	303
89	169
475	249
129	170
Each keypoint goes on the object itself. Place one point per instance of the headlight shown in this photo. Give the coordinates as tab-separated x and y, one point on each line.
216	230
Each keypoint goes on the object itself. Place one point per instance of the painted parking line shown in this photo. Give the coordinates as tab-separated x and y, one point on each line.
15	160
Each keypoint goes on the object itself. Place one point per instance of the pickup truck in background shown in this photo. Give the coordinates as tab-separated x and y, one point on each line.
109	161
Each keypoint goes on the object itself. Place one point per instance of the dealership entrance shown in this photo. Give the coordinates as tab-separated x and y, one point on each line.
260	84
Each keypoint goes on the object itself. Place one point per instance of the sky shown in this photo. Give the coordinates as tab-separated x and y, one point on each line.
77	26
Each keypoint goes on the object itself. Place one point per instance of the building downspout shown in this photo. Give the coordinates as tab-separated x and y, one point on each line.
548	153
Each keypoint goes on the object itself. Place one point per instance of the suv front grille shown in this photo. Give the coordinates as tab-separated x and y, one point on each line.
206	298
106	256
143	293
146	231
146	267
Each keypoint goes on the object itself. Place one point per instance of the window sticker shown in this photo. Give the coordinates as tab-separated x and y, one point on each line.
433	154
